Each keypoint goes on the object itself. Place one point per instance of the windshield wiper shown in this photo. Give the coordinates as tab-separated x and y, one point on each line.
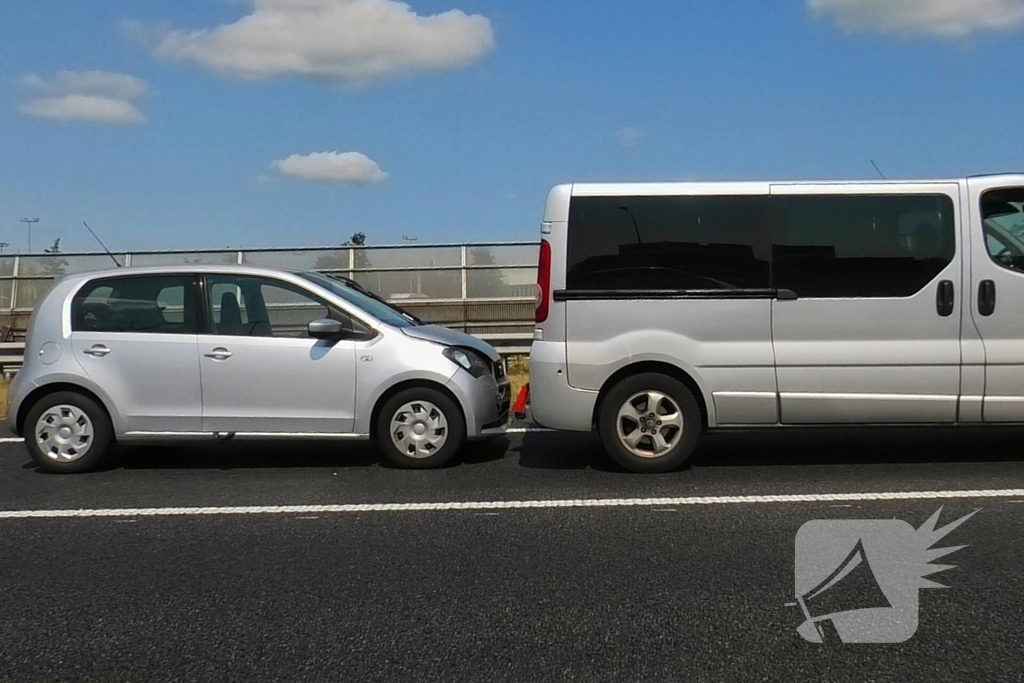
349	282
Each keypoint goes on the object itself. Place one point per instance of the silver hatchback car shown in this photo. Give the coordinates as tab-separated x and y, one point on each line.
218	352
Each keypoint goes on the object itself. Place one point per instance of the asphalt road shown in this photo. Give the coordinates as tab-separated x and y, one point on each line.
660	592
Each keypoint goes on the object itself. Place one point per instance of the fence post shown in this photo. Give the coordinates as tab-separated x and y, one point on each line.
351	263
14	287
465	262
241	258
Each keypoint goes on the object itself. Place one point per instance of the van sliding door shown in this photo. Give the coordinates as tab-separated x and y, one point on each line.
869	329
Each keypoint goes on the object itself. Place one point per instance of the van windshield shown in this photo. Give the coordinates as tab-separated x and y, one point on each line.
364	301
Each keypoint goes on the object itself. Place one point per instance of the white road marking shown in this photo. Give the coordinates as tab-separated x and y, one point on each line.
12	439
510	505
528	430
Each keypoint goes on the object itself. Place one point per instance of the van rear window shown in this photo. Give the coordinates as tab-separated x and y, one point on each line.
668	243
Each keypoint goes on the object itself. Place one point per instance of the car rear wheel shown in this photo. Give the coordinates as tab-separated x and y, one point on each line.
67	433
420	429
650	423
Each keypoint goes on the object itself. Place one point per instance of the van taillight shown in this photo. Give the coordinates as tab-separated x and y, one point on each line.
543	282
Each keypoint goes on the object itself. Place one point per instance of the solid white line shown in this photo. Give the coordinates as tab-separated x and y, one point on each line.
507	505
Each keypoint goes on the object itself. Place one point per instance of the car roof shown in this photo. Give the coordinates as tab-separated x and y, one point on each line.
229	268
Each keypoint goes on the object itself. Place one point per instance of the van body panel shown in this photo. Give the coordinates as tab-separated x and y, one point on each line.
724	345
560	405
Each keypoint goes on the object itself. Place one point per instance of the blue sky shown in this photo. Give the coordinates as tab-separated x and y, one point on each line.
472	127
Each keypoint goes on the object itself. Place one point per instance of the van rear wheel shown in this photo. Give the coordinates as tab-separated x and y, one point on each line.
650	423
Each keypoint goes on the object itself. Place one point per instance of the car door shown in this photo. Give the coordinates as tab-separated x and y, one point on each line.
135	337
997	292
261	371
867	325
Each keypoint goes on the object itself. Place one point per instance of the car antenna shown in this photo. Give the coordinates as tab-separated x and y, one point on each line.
97	238
878	170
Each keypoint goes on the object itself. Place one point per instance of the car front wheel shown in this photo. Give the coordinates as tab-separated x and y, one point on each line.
420	429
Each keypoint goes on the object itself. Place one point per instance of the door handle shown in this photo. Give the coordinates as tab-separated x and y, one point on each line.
987	298
97	351
219	353
945	300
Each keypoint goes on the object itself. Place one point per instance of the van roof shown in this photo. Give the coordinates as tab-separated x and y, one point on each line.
558	200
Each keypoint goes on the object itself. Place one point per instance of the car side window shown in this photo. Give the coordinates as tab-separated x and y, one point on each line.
244	306
148	304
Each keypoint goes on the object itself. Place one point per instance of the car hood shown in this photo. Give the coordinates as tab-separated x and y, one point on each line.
442	335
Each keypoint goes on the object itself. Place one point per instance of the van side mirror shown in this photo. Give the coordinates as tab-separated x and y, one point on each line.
327	328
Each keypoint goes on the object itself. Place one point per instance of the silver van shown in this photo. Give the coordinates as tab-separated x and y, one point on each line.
166	353
666	310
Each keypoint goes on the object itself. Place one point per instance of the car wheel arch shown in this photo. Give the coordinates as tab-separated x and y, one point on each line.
45	390
386	395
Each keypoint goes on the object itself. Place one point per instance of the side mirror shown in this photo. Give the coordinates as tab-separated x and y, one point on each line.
326	328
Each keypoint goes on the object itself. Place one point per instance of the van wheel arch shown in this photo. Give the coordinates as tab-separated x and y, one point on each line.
42	392
411	384
667	369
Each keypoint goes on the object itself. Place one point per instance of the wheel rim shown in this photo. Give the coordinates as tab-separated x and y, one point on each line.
64	433
650	424
419	429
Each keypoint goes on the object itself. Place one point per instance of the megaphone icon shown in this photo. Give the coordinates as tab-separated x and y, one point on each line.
851	586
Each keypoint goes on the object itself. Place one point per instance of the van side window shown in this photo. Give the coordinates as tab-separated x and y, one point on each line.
1002	213
151	304
861	246
668	243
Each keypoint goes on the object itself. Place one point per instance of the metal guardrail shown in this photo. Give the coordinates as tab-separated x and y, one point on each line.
429	272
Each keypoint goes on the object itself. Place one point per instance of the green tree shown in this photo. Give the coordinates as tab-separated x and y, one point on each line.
338	260
485	284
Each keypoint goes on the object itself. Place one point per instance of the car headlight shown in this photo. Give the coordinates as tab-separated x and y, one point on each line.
468	361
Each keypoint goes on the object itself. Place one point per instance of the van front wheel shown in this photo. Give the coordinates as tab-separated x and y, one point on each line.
650	423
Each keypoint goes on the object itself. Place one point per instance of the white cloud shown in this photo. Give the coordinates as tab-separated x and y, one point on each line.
341	41
90	96
345	168
629	137
944	18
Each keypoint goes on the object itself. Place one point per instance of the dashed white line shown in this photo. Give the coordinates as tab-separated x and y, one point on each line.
12	439
510	505
528	430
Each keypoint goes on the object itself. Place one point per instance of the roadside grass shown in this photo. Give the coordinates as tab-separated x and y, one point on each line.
518	373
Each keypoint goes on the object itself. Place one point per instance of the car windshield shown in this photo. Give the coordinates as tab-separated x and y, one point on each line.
364	301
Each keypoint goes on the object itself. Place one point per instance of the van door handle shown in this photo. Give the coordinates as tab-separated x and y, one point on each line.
97	351
945	300
219	353
987	298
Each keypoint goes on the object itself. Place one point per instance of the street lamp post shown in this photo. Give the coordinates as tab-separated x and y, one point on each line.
29	222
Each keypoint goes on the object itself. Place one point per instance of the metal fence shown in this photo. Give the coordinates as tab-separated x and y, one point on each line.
485	288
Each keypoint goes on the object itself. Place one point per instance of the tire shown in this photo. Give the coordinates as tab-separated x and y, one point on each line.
420	408
83	438
665	444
